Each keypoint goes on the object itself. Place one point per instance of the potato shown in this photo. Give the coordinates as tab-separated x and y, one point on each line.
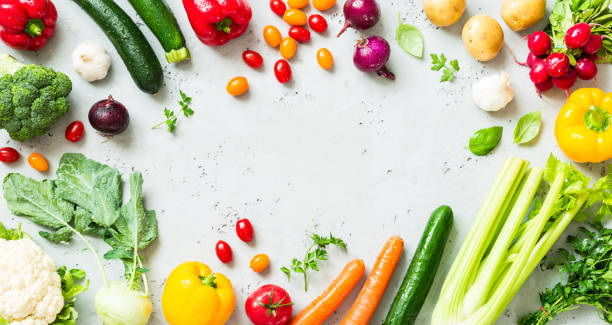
482	37
443	12
521	14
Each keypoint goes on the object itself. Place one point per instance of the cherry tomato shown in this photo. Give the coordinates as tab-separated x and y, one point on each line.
38	162
295	17
224	252
325	58
8	155
299	34
317	23
288	48
278	7
244	230
323	4
260	262
272	36
297	4
282	71
237	86
252	59
75	131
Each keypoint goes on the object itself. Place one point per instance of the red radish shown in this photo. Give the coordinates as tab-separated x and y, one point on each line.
557	64
586	69
543	87
538	73
577	36
532	59
592	57
566	81
539	43
371	55
593	45
360	14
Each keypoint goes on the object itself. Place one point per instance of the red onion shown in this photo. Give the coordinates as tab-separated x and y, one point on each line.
109	117
372	54
360	14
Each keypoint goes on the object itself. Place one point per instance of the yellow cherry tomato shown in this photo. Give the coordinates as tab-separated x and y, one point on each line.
237	86
295	17
272	36
260	262
323	4
288	48
297	4
325	58
38	162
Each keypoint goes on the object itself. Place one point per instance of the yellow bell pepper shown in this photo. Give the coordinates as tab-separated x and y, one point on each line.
583	129
193	295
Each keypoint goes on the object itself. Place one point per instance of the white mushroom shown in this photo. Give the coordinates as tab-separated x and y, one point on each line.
91	61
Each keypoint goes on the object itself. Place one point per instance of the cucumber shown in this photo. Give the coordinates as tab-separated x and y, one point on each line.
422	269
132	46
158	16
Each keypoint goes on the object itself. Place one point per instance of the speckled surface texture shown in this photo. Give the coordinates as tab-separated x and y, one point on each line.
337	151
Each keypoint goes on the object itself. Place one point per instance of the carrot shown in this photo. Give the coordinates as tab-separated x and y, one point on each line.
373	290
325	304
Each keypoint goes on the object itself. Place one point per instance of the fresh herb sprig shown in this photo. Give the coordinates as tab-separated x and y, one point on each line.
587	274
172	116
439	61
316	252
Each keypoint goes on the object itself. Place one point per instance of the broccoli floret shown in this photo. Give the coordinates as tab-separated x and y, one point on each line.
32	98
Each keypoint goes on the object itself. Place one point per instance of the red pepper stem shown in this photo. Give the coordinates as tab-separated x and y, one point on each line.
225	25
34	27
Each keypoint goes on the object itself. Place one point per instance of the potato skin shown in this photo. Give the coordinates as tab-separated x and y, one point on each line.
443	13
522	14
482	37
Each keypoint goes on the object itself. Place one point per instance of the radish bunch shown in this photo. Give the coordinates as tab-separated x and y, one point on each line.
561	68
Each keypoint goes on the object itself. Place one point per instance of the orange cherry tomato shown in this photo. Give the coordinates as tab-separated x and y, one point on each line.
297	4
237	86
323	4
38	162
325	58
272	36
260	262
288	48
295	17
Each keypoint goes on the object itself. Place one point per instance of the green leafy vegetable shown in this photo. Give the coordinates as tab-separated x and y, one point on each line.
71	287
316	252
410	39
587	278
171	116
485	140
439	62
528	127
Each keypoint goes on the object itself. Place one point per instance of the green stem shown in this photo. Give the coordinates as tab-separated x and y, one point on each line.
210	280
34	27
225	25
176	56
306	267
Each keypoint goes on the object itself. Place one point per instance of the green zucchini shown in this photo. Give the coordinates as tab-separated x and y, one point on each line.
131	44
422	269
158	16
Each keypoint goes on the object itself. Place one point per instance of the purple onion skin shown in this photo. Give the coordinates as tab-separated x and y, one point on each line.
109	117
372	54
360	14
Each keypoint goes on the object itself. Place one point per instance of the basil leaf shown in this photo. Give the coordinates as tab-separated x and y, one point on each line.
485	140
410	39
528	127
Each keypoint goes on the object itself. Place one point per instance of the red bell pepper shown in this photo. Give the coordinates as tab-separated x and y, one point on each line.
216	22
27	24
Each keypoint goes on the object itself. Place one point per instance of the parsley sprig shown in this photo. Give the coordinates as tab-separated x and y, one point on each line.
172	117
316	252
587	278
439	62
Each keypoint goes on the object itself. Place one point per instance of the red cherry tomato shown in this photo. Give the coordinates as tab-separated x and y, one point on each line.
244	230
299	34
224	251
317	23
278	7
282	71
8	155
75	131
252	59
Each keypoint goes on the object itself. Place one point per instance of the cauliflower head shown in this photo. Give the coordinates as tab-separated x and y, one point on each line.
30	287
32	98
